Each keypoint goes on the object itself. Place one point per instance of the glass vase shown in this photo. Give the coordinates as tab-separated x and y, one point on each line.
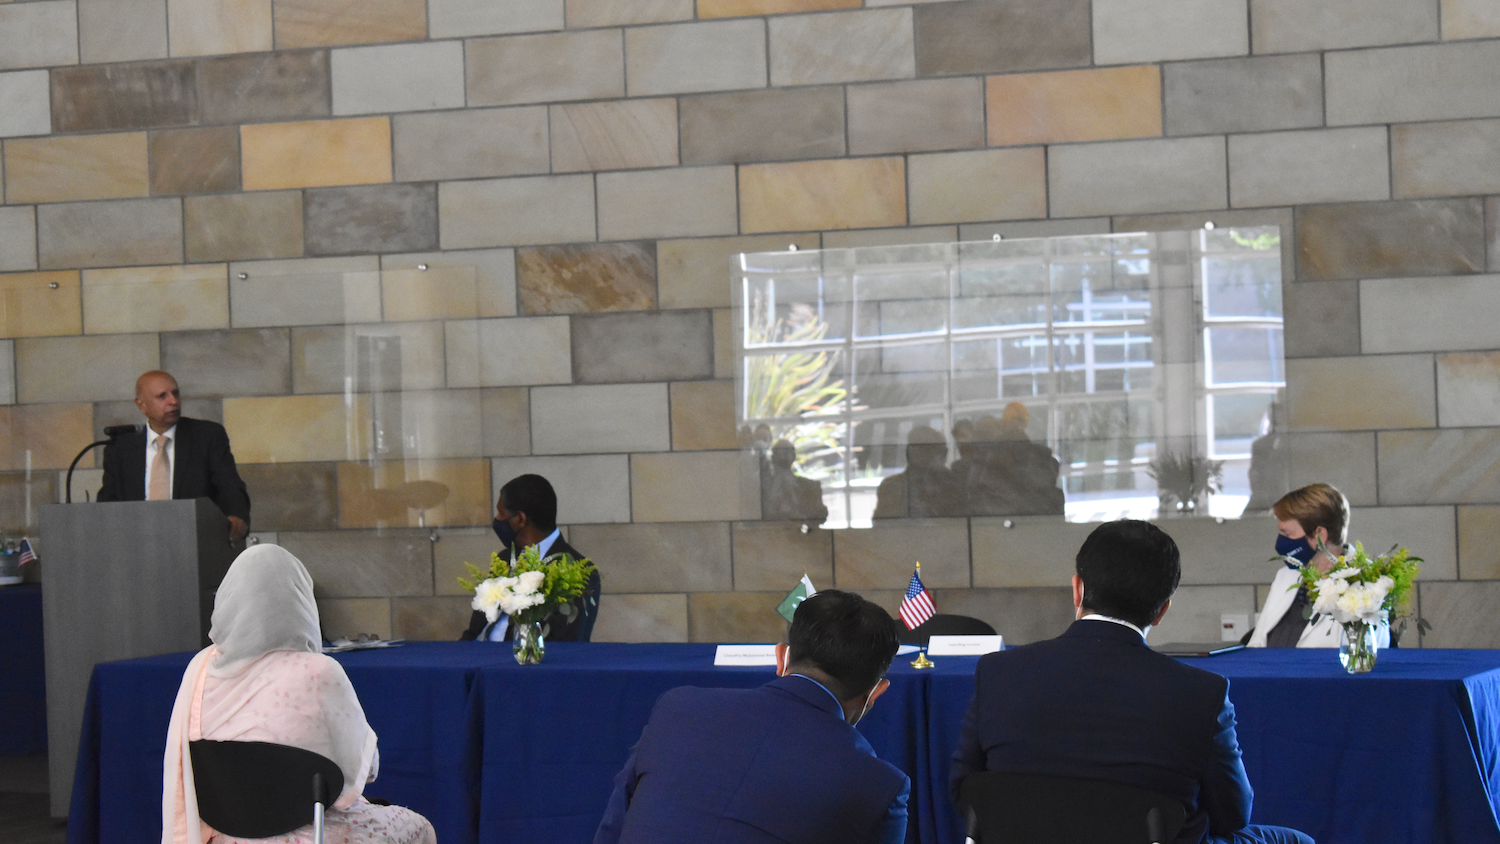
528	645
1357	647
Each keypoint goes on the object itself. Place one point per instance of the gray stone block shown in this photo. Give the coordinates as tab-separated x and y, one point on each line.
374	218
661	346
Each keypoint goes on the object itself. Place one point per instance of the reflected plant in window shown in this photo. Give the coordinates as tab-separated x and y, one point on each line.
785	388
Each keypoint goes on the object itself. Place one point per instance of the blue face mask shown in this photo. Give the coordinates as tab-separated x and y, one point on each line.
1297	549
507	536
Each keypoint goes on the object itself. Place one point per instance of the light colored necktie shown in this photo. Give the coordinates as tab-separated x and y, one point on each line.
161	473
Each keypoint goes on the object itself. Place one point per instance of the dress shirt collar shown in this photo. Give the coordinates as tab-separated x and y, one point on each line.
838	708
546	544
1093	616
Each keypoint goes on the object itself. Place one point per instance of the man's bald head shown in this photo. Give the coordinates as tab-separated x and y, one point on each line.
157	396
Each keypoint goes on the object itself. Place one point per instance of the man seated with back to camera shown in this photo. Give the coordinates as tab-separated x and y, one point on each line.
1096	703
778	764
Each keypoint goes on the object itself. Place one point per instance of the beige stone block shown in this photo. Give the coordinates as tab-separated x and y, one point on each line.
1301	26
746	8
505	419
1452	466
703	415
1454	313
1469	19
213	27
1319	319
915	116
1445	159
1468	389
587	65
328	23
1345	459
1034	551
42	437
47	368
381	357
1424	237
463	18
1128	31
1410	84
455	285
724	356
699	273
414	493
1361	393
62	169
587	277
770	556
600	418
397	77
587	13
1293	168
1479	542
326	429
121	30
243	226
687	57
1196	613
315	153
763	125
685	487
591	489
309	291
7	372
347	618
1460	614
510	352
515	212
615	135
442	424
856	46
650	558
39	34
454	548
681	202
366	563
1427	532
1137	177
40	304
177	298
735	617
241	362
840	194
1073	105
25	108
642	618
471	144
884	557
437	619
955	187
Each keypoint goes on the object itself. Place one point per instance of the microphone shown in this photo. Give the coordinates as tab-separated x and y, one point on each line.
116	430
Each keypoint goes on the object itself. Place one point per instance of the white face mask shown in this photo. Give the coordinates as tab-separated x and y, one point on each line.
866	707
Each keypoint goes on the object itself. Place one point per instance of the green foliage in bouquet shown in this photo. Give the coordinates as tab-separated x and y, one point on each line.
1358	571
562	580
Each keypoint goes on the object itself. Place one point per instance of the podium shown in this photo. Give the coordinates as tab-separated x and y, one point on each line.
122	579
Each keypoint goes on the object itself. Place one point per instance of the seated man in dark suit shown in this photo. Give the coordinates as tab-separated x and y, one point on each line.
1097	703
181	457
779	763
526	515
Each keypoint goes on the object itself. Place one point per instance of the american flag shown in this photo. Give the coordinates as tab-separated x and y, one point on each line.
27	555
916	607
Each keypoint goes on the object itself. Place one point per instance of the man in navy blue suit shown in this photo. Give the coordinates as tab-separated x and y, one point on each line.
1097	703
779	764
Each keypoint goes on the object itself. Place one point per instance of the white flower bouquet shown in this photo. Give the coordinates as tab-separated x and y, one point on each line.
1359	593
531	589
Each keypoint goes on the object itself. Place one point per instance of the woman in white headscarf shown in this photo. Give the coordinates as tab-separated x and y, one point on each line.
265	678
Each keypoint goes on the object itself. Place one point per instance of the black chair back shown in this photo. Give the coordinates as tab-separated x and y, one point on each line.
255	789
945	625
1006	808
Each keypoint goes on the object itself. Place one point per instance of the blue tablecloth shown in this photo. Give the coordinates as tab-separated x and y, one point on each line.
495	753
23	671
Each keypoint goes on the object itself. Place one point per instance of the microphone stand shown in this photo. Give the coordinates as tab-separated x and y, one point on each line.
68	497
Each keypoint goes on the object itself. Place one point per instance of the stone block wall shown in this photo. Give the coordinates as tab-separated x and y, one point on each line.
539	199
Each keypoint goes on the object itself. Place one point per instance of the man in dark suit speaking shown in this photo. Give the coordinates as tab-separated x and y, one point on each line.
779	763
176	457
1097	703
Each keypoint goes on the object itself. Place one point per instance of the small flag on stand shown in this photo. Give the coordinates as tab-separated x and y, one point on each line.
801	592
916	607
27	555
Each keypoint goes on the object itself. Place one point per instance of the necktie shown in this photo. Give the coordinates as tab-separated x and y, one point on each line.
161	473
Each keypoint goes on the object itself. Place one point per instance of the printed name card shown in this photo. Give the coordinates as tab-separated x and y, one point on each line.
745	655
964	645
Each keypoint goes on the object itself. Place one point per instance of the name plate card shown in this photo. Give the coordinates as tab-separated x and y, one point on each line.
745	655
964	645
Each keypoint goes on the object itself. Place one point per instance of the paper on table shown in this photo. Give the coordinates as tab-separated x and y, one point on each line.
745	655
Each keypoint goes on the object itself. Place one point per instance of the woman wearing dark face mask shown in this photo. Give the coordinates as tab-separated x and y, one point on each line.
1312	527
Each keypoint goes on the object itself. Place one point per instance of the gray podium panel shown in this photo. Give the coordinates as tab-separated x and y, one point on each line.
123	579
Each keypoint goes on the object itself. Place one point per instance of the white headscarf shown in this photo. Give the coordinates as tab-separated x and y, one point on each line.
264	604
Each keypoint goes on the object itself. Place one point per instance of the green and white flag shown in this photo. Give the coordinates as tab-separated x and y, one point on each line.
801	592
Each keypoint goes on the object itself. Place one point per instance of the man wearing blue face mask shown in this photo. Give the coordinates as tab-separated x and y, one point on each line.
1312	530
526	515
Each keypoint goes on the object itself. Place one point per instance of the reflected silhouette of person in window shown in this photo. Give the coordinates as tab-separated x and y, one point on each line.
1003	473
926	487
784	494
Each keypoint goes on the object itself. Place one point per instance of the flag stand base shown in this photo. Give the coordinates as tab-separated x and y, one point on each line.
922	661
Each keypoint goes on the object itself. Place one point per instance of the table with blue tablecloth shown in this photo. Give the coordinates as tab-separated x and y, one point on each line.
23	671
494	753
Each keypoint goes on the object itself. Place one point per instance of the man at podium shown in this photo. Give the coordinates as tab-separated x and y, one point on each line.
176	457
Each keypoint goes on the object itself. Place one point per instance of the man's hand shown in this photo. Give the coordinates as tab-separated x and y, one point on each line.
237	529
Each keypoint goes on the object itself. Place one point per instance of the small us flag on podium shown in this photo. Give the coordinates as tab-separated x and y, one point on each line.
916	607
